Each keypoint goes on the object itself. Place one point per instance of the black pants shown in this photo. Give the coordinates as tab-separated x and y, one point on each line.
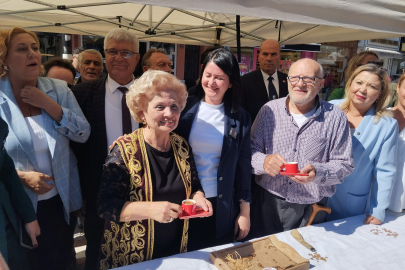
56	240
271	214
93	230
202	232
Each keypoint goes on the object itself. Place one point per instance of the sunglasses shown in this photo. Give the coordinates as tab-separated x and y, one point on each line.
379	64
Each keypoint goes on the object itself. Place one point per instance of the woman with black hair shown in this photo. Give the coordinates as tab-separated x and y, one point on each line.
218	130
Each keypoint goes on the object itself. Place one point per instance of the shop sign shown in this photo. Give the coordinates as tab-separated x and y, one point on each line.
244	63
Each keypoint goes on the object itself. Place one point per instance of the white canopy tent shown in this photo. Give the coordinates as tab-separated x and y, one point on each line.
211	22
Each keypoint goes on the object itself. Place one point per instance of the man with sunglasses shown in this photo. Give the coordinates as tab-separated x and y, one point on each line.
104	105
298	128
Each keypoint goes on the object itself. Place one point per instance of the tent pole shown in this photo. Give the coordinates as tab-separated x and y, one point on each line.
137	15
302	32
253	30
279	31
150	17
84	14
238	36
55	7
162	20
174	33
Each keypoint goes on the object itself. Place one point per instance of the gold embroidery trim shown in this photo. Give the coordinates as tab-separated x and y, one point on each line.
181	155
148	193
127	249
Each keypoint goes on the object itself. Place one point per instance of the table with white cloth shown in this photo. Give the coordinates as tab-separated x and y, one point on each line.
347	244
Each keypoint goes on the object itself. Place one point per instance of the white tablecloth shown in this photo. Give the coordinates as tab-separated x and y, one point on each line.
347	244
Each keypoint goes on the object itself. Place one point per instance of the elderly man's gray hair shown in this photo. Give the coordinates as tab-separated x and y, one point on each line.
92	51
120	34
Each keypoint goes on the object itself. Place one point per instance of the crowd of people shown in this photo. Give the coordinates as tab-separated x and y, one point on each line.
125	151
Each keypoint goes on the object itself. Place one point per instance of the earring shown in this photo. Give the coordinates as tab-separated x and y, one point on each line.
143	121
6	68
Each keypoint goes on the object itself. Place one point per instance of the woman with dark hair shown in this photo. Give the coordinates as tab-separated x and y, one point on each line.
218	130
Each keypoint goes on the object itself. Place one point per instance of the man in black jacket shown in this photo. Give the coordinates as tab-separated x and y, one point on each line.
261	86
103	103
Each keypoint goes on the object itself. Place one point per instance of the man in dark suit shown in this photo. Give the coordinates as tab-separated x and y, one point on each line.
104	105
261	86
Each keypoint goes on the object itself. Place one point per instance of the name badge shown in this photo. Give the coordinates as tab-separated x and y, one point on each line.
233	133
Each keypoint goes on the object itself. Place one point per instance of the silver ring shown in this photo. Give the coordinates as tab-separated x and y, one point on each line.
171	219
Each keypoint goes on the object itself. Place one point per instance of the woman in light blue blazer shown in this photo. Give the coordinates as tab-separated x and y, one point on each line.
43	116
374	142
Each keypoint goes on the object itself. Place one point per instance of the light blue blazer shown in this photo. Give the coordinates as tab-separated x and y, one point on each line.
367	189
73	126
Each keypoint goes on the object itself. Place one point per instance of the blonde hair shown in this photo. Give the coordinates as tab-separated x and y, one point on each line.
383	100
356	61
148	85
5	37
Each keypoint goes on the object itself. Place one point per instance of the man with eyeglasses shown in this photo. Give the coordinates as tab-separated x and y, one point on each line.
156	59
266	83
298	128
104	105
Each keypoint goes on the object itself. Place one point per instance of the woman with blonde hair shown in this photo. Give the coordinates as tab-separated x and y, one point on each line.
146	176
43	116
374	141
397	202
362	58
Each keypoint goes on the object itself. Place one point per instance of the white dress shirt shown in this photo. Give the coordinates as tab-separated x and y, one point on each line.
113	111
275	81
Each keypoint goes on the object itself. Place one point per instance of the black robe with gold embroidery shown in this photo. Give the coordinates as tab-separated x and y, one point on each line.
127	177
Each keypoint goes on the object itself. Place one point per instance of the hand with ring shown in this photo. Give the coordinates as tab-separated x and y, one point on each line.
164	212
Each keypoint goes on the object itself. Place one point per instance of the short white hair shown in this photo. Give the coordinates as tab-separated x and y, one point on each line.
120	34
91	51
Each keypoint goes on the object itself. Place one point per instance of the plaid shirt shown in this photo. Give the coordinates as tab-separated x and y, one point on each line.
323	140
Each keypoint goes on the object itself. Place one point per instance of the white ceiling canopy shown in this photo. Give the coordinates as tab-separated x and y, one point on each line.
211	22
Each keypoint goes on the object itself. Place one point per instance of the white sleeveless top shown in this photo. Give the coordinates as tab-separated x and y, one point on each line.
36	127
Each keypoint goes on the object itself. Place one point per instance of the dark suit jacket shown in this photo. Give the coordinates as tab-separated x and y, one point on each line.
234	167
91	154
254	92
14	202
